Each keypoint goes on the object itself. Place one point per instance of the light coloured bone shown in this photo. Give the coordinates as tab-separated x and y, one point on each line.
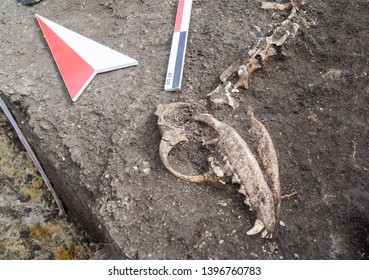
238	164
216	95
273	40
265	234
295	29
268	52
245	71
278	38
276	6
228	94
235	179
294	10
216	167
267	158
245	165
281	34
246	68
223	95
230	70
171	136
258	227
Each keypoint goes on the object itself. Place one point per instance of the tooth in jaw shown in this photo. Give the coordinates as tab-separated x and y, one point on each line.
258	227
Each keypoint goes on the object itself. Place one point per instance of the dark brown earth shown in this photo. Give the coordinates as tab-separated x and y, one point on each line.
101	152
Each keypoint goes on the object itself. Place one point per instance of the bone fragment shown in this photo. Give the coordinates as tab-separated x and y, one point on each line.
223	95
267	159
238	163
272	40
267	50
281	34
171	136
276	6
245	71
282	7
230	70
258	227
251	178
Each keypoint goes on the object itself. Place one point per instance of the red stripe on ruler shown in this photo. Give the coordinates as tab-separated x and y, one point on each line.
177	26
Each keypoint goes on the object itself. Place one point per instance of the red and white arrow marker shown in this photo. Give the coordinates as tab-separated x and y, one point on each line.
178	50
79	58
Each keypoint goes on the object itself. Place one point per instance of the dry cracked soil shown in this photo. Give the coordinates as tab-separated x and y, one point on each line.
101	152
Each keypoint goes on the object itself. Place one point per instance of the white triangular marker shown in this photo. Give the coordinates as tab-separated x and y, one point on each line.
79	58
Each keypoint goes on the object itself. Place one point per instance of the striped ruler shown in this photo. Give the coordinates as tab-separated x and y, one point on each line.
177	53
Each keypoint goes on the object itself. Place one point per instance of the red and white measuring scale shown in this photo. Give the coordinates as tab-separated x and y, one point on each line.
79	58
177	53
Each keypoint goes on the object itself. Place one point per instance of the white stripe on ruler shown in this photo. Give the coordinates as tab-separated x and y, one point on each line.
172	62
186	15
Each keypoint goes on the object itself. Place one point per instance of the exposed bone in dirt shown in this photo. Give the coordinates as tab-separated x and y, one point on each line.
238	163
276	6
257	56
173	135
223	95
267	158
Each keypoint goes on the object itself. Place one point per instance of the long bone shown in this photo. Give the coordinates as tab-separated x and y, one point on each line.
253	184
267	158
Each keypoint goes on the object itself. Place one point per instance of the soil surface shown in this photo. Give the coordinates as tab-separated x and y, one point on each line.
101	152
